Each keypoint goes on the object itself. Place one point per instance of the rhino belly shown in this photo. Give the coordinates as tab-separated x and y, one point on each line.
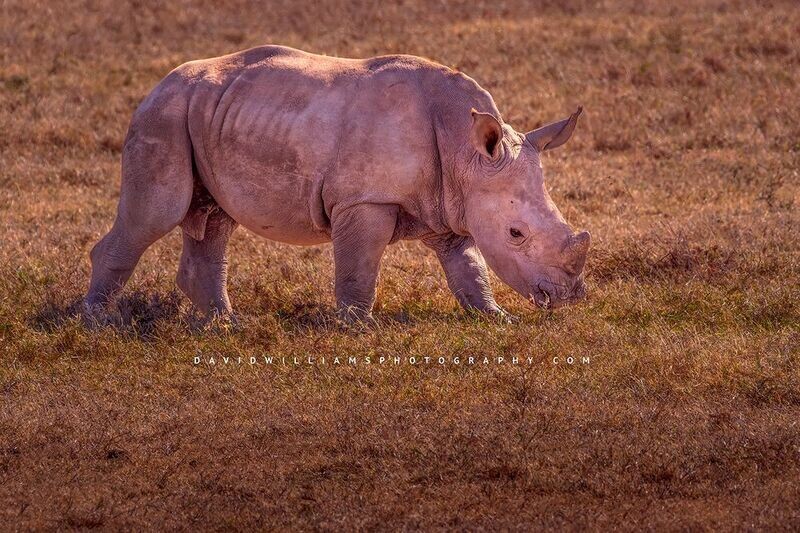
275	206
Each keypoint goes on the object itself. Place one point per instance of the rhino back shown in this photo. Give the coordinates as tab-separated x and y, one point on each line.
284	139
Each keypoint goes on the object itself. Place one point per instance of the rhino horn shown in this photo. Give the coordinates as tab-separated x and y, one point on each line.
555	134
575	251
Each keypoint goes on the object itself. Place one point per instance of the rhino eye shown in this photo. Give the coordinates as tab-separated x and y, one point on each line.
516	233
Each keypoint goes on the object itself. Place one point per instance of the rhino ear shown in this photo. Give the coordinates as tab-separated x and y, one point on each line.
555	134
486	134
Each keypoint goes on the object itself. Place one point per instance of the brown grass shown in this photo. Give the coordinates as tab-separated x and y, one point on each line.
685	169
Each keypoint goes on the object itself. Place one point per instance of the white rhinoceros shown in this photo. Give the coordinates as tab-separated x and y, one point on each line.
306	149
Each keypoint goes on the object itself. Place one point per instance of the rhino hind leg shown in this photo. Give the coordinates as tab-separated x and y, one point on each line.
203	270
155	195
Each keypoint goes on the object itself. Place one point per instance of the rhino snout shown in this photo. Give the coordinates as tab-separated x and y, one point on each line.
549	295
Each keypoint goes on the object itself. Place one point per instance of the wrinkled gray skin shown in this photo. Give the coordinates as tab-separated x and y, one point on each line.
307	149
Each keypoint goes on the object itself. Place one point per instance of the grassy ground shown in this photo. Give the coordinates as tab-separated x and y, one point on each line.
685	170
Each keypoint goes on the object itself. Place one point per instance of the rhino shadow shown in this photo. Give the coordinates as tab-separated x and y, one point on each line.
135	314
321	318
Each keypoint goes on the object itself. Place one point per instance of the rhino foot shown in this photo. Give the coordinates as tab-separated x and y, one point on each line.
503	316
353	316
220	322
96	316
494	313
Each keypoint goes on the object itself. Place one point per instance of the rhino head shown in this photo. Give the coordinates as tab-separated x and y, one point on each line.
512	218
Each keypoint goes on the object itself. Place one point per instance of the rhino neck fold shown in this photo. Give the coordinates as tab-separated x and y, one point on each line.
451	199
450	106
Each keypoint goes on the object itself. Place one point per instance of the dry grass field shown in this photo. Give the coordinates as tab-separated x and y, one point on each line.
684	168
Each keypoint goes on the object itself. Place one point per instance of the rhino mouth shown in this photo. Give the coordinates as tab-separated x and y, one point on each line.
540	298
549	295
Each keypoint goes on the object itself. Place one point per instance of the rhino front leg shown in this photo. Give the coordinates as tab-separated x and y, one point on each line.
360	235
466	273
